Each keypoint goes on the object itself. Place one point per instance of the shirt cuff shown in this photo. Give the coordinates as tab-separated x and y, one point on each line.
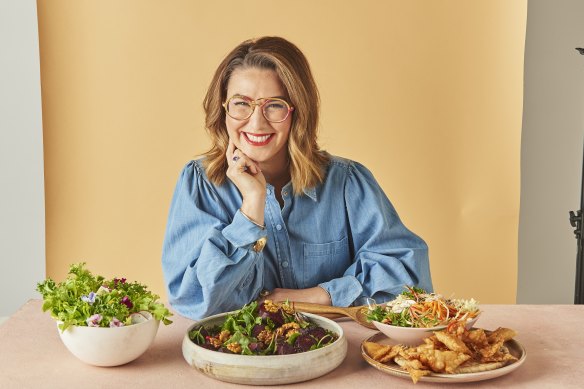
242	232
343	290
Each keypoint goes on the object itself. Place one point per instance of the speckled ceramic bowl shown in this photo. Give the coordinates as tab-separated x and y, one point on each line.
268	369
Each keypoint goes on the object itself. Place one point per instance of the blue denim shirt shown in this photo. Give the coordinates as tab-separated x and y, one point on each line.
343	235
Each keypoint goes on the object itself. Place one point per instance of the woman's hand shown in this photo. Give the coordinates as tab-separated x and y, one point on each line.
249	179
316	295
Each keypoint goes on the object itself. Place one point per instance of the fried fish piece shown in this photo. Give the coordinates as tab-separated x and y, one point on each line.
501	333
413	366
404	362
434	343
453	342
381	353
499	356
476	338
477	367
443	361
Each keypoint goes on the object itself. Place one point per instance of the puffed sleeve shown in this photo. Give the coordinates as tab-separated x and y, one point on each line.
208	262
387	255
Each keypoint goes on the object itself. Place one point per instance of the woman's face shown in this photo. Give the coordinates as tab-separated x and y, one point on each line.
263	141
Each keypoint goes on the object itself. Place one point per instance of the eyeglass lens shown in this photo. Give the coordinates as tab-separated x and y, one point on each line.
275	110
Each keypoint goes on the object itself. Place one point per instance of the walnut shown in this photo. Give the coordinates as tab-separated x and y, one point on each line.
266	336
234	348
269	306
224	335
287	327
215	342
288	309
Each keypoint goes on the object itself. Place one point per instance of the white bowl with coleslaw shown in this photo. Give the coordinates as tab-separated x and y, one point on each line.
415	314
412	336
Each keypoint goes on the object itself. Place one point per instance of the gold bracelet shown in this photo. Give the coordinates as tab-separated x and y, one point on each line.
249	218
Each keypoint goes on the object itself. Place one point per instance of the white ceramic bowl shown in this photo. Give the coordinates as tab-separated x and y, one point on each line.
265	369
409	336
100	346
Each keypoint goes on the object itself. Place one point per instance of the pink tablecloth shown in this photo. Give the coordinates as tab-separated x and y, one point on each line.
32	355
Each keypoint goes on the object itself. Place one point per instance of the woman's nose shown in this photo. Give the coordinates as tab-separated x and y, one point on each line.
257	120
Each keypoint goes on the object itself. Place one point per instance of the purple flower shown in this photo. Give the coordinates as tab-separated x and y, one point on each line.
94	320
119	280
89	298
127	302
115	322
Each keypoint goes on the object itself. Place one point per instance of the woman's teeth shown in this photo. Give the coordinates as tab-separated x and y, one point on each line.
257	139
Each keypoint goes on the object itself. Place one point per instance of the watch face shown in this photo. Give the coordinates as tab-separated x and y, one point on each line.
260	244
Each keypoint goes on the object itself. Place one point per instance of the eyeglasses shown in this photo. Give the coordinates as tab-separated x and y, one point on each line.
275	110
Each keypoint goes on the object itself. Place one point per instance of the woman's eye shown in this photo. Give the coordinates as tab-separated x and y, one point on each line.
275	105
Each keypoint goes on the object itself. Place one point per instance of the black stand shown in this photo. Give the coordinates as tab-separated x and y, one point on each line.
577	221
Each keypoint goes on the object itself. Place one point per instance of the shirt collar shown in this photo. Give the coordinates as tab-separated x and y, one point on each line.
311	192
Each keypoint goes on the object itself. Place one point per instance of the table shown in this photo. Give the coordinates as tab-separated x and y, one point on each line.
32	355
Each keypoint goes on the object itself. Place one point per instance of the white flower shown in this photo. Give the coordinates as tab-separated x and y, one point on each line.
103	290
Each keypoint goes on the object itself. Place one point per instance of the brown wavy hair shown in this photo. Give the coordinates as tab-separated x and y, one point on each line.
307	161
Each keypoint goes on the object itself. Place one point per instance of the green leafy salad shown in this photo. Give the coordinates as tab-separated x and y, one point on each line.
266	328
84	299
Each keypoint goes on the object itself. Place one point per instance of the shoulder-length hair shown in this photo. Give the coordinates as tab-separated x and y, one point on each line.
307	161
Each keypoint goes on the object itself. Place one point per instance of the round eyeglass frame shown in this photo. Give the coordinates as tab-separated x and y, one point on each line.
258	103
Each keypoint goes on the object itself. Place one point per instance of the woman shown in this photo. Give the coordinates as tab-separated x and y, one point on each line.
266	212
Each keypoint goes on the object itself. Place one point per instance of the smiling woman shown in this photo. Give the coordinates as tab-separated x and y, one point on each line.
405	90
266	212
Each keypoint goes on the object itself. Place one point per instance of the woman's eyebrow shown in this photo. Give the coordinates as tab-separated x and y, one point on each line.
251	98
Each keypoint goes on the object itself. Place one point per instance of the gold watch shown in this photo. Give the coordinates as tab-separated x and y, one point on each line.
260	244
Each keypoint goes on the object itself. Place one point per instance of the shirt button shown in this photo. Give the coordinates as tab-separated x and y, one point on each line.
279	227
285	264
285	193
268	192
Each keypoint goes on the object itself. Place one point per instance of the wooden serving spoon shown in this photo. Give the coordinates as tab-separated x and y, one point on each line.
359	314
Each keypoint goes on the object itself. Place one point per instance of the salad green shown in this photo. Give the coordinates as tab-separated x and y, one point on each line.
84	299
264	328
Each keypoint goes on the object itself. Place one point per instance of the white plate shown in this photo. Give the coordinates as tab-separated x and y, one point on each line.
515	349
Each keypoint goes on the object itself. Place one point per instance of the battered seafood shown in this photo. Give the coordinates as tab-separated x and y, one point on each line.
454	350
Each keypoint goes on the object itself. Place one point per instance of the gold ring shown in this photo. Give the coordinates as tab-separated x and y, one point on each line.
264	293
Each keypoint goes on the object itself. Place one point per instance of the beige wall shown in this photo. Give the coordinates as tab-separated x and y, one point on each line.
428	95
551	155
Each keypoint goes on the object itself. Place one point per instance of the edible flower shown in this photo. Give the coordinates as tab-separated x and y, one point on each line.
127	302
94	320
114	322
90	298
103	290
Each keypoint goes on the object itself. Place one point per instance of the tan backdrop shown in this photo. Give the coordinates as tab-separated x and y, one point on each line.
428	95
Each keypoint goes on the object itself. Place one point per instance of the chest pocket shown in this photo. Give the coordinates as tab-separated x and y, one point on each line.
324	261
